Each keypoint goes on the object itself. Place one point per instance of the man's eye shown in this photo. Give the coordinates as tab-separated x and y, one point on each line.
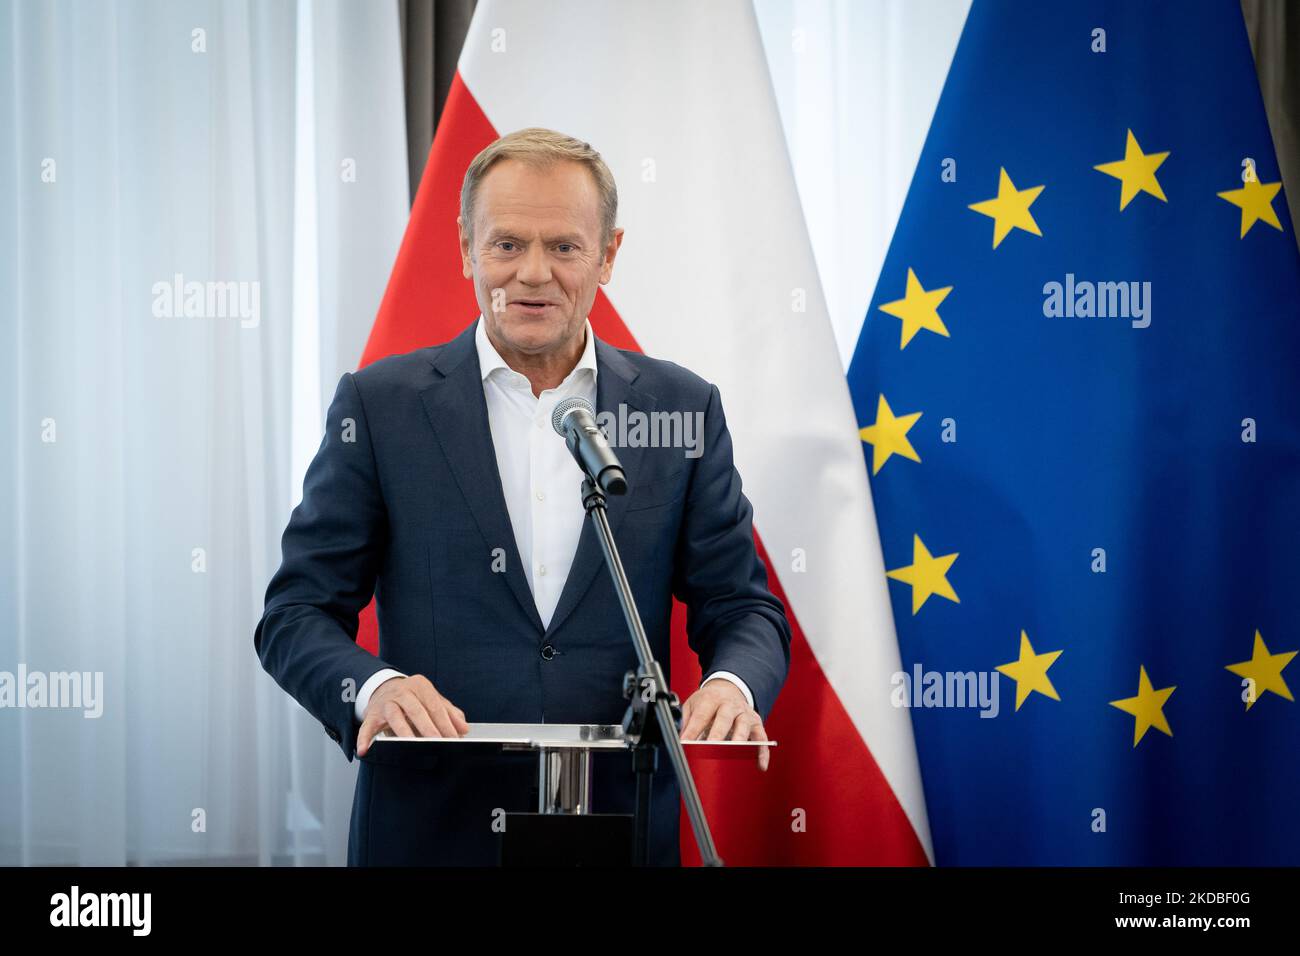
505	242
565	247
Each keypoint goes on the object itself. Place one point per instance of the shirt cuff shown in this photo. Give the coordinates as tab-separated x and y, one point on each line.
728	676
368	688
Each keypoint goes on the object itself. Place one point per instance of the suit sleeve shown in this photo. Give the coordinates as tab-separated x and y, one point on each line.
331	549
734	622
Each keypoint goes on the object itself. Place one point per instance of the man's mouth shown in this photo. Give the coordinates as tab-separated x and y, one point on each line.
532	306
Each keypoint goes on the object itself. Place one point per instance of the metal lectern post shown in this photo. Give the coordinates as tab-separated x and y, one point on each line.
564	781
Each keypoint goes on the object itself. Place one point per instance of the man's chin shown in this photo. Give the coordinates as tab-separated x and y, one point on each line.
533	336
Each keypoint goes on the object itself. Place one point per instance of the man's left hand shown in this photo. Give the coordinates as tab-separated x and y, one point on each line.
719	711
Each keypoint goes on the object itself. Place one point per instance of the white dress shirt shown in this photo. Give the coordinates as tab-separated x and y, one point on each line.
540	480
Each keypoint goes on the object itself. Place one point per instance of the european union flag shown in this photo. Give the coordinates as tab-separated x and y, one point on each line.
1078	388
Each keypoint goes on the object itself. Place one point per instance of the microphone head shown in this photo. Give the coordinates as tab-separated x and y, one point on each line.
566	405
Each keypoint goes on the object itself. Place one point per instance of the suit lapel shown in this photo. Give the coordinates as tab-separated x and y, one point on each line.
614	378
458	412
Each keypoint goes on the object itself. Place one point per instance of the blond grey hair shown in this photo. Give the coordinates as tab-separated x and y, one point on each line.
541	148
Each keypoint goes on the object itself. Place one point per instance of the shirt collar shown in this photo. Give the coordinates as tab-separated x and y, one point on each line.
489	359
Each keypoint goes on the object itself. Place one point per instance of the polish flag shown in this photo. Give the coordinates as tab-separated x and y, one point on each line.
716	273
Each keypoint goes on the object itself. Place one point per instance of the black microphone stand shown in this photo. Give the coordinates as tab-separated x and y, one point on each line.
653	711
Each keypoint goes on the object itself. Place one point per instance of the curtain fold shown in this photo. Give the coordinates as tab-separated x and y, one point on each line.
1274	29
856	84
147	279
433	32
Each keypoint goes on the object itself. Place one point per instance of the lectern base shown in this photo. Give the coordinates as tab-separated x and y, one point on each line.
551	839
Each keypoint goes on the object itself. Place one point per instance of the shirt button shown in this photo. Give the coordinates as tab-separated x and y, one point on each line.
541	496
541	569
548	652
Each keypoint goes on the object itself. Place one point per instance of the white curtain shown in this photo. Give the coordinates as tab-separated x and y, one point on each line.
856	82
152	465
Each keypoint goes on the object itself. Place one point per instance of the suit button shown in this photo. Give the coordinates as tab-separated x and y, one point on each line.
548	652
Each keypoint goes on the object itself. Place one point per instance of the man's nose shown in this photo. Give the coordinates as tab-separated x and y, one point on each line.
534	269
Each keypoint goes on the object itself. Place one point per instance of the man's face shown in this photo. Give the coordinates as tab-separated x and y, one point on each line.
536	257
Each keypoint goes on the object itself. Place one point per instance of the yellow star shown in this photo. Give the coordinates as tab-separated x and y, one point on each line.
1146	707
1030	672
1265	671
1256	202
926	574
1010	210
918	310
888	436
1137	172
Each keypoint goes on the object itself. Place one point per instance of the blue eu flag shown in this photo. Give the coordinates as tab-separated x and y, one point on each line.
1078	388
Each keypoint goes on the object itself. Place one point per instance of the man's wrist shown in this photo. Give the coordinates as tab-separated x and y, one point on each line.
728	676
369	687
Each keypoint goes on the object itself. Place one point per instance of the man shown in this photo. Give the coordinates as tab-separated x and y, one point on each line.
441	488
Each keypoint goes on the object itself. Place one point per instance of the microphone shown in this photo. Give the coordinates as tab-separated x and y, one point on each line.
575	420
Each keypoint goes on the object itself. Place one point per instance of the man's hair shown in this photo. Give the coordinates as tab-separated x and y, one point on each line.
541	148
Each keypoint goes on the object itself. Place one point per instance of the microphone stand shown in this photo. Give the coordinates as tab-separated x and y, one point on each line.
654	710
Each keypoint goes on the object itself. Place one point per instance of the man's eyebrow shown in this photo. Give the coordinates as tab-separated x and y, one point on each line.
498	234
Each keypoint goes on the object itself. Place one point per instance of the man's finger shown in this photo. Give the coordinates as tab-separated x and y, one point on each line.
744	724
442	717
701	715
371	726
396	720
722	721
764	753
458	719
442	712
423	721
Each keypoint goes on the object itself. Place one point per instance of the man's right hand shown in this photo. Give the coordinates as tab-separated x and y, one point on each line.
409	707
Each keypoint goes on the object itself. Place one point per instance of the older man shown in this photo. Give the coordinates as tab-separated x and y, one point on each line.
441	488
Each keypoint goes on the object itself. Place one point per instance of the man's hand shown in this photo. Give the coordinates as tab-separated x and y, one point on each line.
719	711
409	707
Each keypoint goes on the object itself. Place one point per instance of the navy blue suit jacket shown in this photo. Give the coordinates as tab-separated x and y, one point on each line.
404	500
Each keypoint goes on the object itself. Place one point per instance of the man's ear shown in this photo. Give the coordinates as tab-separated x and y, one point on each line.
466	268
607	267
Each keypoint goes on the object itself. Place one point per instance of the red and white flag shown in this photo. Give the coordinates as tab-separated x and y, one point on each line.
716	273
